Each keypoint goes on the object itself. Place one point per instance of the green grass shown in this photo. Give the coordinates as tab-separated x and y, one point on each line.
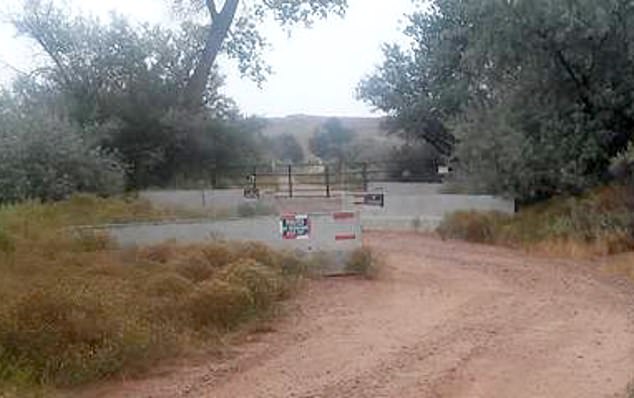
598	223
75	308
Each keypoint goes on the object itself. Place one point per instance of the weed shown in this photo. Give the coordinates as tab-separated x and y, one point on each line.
599	223
364	262
74	308
255	209
264	283
220	304
471	226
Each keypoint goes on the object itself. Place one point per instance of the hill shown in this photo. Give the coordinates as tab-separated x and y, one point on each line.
304	126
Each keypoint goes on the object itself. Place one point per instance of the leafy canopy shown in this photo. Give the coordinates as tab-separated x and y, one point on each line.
332	141
533	98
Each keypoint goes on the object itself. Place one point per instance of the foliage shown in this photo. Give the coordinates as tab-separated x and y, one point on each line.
122	84
45	158
236	31
532	97
255	209
72	311
598	223
364	262
415	162
332	141
286	148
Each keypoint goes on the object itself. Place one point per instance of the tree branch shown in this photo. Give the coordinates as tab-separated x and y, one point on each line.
213	11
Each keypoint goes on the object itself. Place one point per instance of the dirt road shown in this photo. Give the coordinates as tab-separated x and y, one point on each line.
446	319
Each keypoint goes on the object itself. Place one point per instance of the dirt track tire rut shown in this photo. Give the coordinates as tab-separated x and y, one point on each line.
446	319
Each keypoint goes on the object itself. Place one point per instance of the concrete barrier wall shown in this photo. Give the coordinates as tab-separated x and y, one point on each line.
228	199
337	234
408	206
421	207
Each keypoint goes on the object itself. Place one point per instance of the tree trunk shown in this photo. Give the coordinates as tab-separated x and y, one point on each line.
195	89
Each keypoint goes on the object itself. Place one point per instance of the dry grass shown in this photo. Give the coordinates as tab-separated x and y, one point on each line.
74	308
622	264
598	224
630	390
364	262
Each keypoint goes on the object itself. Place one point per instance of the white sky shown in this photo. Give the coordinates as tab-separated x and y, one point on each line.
315	70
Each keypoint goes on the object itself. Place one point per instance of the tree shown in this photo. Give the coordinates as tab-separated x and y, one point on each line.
287	149
533	98
331	141
237	33
42	157
122	84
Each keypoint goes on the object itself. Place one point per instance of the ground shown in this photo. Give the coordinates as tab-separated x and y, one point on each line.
445	319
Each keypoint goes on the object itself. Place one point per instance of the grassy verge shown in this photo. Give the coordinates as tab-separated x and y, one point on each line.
75	308
599	223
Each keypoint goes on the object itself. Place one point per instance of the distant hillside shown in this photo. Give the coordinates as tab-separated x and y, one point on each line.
301	125
304	126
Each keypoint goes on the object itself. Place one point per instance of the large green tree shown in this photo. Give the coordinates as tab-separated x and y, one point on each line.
533	97
233	26
332	141
122	84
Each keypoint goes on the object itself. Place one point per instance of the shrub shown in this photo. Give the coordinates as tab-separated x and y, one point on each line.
264	284
48	159
254	209
218	254
471	226
6	242
67	335
168	285
598	223
75	308
193	266
364	262
218	303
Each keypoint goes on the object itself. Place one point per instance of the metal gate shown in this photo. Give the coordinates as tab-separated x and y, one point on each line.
310	180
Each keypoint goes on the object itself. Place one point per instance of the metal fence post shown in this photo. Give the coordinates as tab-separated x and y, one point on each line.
290	181
364	173
327	173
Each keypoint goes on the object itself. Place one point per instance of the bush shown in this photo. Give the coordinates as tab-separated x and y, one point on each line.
260	253
65	335
264	284
45	158
169	285
247	210
220	304
471	226
598	223
74	308
364	262
193	266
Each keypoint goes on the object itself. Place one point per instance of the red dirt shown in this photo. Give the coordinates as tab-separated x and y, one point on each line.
446	319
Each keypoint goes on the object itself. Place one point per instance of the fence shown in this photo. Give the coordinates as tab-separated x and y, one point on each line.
314	180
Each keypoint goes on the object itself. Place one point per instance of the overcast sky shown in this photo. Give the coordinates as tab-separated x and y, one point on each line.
315	70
